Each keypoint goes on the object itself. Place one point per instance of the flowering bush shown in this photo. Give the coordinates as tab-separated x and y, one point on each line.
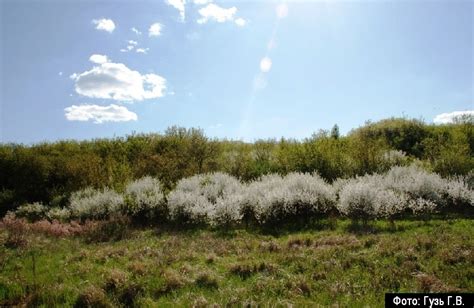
144	199
59	214
31	211
395	158
220	199
366	197
459	193
401	189
416	183
207	198
95	204
273	198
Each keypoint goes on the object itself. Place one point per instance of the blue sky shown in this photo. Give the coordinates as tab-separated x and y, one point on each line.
237	69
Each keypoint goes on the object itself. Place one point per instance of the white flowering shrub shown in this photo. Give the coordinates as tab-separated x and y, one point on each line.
366	197
339	184
400	190
144	199
59	214
206	198
416	182
32	211
95	204
429	191
273	198
393	158
459	193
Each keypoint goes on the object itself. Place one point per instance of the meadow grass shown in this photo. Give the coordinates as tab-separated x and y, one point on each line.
331	262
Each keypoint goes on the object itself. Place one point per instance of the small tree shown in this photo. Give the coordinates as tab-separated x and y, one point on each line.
335	132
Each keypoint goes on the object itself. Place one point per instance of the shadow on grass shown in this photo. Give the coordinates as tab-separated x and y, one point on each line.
401	223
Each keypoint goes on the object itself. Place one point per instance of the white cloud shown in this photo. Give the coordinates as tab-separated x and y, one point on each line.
179	5
104	24
60	73
217	13
265	64
155	29
136	31
99	114
450	117
240	22
116	81
201	2
99	59
131	45
142	50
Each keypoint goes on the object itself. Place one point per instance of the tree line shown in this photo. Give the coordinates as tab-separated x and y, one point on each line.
50	172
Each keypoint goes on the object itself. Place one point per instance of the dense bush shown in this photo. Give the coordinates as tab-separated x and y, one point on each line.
59	214
207	198
459	192
144	199
32	211
402	189
220	199
395	158
273	198
95	204
366	197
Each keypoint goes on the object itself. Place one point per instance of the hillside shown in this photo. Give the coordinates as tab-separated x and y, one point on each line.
327	263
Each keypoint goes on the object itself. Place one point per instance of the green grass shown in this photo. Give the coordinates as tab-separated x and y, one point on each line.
326	265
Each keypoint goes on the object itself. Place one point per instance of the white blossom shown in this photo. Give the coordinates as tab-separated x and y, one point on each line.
95	204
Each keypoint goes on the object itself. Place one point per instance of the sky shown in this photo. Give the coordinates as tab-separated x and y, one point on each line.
236	69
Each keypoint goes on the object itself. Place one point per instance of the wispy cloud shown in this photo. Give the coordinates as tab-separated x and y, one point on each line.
180	6
155	29
136	31
99	114
451	117
128	48
116	81
142	50
104	24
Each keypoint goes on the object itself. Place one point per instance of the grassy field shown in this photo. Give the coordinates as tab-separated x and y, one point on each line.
325	264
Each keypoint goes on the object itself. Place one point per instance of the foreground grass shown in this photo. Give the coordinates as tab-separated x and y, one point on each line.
324	265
